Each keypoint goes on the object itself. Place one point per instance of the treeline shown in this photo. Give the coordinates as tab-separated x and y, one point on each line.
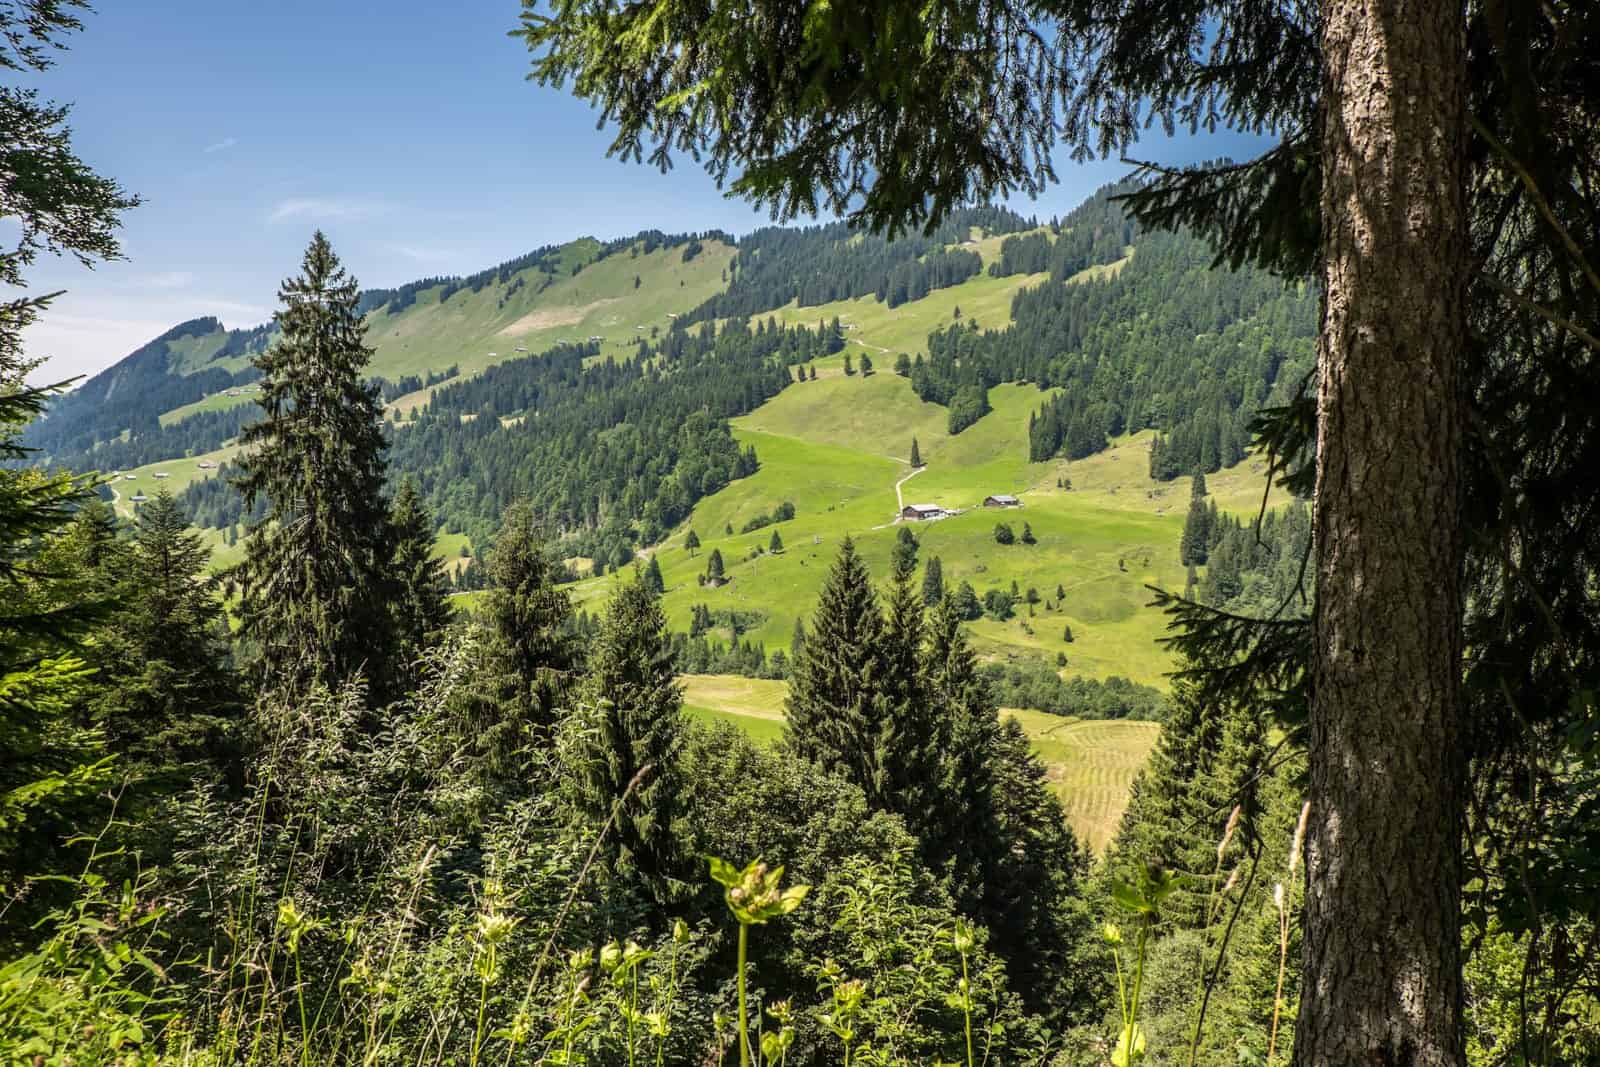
1254	568
818	264
1096	232
936	270
203	431
1033	683
1168	343
410	383
612	454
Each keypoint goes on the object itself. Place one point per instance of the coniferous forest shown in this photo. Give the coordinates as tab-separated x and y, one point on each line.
309	808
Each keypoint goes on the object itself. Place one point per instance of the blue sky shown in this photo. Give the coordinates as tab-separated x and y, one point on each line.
406	130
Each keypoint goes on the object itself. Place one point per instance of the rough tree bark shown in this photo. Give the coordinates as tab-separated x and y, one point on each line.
1382	979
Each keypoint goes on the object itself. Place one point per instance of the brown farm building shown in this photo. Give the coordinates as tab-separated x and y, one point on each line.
1001	500
922	511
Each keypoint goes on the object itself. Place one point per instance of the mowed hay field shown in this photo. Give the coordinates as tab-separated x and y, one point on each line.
1091	763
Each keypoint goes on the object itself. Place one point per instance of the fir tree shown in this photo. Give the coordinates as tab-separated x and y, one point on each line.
933	581
797	640
1003	534
1197	484
652	576
962	824
831	713
968	606
1194	547
1027	535
633	714
910	738
916	454
314	583
529	666
775	543
421	610
168	703
866	365
849	365
903	557
714	569
691	542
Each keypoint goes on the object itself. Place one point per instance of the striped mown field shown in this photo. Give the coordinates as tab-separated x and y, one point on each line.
1092	763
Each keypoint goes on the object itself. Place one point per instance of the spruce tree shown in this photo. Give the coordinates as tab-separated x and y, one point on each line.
962	829
1197	484
933	581
168	702
653	578
916	454
314	584
910	737
691	542
714	569
528	671
1194	547
421	610
775	543
836	677
866	365
797	640
1027	535
968	606
633	719
903	557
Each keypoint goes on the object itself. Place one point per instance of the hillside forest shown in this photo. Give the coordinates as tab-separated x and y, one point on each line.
351	669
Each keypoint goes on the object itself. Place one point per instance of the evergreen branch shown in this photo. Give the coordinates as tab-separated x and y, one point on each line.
1543	312
1539	201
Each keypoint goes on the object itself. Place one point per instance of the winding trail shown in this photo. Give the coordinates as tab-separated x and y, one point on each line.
899	498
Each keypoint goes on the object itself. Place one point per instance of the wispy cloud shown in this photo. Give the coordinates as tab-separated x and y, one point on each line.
420	253
171	279
221	146
319	208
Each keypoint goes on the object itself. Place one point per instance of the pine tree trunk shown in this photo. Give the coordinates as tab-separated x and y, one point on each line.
1382	979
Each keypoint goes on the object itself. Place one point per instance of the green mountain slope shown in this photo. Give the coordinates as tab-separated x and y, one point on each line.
646	387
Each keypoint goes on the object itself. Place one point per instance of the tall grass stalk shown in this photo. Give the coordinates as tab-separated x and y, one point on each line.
1205	931
1280	896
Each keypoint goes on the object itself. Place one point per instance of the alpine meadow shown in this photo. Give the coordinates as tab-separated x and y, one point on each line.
1066	538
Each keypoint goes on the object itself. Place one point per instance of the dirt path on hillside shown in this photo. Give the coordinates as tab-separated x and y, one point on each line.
899	498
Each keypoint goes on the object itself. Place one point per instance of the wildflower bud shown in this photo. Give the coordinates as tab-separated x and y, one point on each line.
1299	837
680	932
1227	833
